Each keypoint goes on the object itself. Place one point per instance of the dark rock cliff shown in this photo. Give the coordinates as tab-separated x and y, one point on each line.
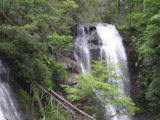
134	68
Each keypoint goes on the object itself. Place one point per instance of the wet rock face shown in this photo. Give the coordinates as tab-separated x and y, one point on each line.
147	117
95	54
69	60
94	43
134	68
93	40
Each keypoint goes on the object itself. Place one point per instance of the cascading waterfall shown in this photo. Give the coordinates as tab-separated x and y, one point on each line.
101	42
8	110
82	53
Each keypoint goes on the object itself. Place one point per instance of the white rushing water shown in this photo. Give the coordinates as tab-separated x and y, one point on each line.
8	110
99	42
82	53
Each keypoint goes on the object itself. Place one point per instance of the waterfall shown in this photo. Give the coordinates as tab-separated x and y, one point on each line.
101	42
8	110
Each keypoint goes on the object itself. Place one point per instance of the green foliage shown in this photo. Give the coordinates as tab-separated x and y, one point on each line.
144	27
153	94
33	36
25	96
89	11
60	41
89	84
32	32
52	113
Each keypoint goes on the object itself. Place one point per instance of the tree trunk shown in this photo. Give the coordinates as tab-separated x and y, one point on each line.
41	108
130	6
119	7
122	6
142	7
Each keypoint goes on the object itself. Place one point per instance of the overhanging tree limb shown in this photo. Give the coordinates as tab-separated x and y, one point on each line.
60	98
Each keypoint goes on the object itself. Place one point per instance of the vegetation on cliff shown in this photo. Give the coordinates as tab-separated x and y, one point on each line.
34	34
94	85
143	27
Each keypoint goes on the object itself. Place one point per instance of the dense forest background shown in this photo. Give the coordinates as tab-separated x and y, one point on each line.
36	36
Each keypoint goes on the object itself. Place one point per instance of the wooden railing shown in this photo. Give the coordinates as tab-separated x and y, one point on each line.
73	112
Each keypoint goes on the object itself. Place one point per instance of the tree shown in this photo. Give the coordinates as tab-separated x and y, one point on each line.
94	85
32	34
145	32
89	11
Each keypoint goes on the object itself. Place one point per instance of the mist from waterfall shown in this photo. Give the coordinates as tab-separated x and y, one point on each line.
102	42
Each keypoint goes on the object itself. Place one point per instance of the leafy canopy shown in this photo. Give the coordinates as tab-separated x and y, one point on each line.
93	85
